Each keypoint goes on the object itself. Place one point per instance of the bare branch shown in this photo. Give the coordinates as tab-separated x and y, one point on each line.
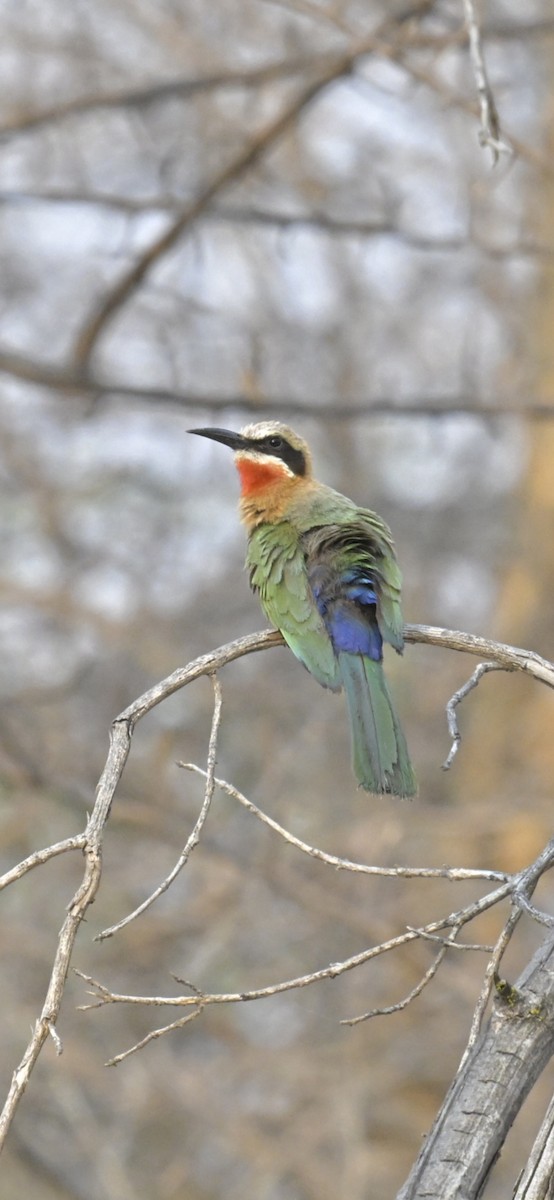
489	133
523	901
45	1024
345	864
523	885
535	1182
510	657
194	837
488	982
154	1033
456	699
414	993
104	995
435	937
41	856
515	145
91	841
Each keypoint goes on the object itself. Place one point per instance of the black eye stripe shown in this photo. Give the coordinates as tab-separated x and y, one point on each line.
288	454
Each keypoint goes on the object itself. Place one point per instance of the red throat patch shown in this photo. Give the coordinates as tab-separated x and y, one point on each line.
256	476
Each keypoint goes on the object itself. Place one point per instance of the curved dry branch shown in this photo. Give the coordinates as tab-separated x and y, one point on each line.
91	844
41	856
346	864
510	658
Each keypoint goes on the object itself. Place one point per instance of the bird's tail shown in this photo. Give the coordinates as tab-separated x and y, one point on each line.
380	755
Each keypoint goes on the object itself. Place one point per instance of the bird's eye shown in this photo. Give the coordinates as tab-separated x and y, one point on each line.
275	443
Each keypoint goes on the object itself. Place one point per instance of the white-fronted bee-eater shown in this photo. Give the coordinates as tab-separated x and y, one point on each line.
327	577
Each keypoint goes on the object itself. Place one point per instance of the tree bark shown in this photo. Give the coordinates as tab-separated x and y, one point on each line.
489	1089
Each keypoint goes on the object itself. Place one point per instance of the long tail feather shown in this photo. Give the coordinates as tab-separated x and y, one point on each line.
380	755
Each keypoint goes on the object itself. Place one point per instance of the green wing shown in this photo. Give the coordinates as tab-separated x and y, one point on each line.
278	574
375	543
358	536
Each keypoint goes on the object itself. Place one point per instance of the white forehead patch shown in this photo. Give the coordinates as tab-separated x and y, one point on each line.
263	429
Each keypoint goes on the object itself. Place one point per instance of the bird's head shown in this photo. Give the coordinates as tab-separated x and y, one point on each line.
271	460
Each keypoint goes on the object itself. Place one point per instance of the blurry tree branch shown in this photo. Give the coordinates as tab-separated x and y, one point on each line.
342	65
392	38
139	97
382	42
378	42
334	227
257	76
68	382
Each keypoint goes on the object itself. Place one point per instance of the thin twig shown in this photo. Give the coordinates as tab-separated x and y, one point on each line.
345	864
488	982
194	836
523	885
489	133
41	856
455	920
456	699
155	1033
414	993
435	937
523	902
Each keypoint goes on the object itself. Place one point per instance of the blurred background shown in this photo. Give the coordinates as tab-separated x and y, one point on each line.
210	212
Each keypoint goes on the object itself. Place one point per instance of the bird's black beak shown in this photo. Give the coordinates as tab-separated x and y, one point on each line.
235	440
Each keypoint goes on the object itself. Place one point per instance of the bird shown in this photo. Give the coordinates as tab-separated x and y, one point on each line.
326	574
